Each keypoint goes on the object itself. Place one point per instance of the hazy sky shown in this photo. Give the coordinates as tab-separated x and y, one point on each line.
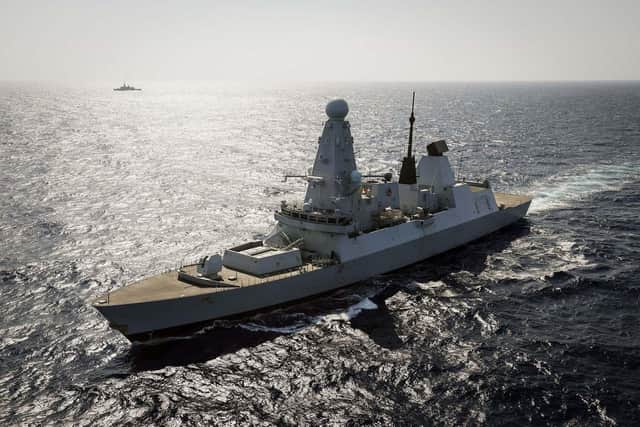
319	40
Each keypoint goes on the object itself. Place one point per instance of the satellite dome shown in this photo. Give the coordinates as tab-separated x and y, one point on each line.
337	109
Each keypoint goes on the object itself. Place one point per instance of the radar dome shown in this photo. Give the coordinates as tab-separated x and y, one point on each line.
337	109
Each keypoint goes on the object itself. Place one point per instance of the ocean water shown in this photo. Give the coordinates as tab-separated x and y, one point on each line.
536	324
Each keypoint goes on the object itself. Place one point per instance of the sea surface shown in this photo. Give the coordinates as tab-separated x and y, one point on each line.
536	324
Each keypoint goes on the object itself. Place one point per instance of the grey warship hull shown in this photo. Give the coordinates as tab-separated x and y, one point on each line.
178	304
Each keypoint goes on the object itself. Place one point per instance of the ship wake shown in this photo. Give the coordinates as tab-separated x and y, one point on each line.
564	190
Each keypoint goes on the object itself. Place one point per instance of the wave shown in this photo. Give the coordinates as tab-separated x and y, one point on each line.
289	329
351	312
563	190
346	315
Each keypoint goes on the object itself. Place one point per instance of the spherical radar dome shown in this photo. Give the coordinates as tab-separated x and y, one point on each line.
337	109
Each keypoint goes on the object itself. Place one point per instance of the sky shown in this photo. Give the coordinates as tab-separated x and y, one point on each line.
287	40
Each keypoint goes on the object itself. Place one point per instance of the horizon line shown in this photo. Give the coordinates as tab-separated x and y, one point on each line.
293	81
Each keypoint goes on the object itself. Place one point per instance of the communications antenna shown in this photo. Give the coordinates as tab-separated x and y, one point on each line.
408	170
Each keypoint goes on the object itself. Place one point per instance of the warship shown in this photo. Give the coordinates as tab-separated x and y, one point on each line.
349	227
125	87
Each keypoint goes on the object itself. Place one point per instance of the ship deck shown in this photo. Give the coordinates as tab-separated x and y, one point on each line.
511	200
507	200
167	285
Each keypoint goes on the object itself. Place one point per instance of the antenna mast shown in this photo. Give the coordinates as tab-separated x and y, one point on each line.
408	170
412	119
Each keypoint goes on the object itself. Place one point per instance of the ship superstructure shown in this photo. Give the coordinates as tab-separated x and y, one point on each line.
347	228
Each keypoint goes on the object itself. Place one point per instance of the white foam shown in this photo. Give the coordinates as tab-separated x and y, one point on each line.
602	411
290	329
351	312
562	190
571	257
487	326
449	293
429	285
560	255
6	342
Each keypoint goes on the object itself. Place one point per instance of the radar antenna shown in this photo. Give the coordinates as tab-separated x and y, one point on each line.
408	170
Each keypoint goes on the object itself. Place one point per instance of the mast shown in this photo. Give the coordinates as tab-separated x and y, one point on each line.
412	119
408	170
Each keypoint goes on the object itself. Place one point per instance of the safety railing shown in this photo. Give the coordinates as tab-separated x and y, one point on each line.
319	218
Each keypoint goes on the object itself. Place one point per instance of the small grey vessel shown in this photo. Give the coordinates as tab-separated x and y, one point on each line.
125	87
348	228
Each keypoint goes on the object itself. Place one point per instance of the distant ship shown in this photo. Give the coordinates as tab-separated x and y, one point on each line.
125	86
348	228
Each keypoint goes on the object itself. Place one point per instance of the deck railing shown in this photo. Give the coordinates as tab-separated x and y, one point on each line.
292	210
